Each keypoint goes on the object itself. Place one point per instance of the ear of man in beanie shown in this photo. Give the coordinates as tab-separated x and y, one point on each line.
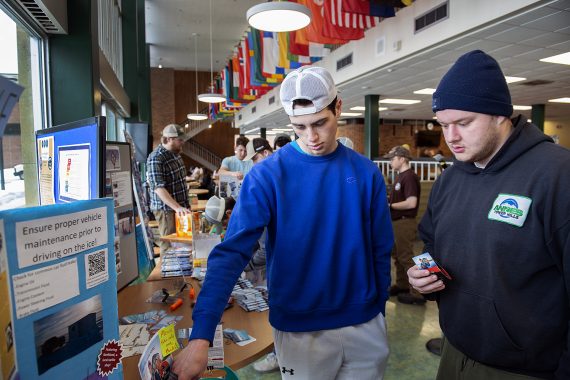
475	83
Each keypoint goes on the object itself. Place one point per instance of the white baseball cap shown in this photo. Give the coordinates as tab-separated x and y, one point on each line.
215	208
173	130
314	84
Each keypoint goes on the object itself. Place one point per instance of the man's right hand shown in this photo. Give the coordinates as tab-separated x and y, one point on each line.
192	361
181	211
423	281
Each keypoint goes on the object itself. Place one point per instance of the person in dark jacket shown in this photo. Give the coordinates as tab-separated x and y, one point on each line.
498	220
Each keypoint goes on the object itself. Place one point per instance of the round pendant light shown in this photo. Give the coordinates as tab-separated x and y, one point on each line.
282	16
211	97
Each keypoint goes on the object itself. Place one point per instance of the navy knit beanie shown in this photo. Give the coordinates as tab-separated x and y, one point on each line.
475	83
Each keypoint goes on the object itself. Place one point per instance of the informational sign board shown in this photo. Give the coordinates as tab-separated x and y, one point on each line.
58	270
119	187
71	161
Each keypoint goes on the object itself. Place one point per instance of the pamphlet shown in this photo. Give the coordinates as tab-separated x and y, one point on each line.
230	186
152	364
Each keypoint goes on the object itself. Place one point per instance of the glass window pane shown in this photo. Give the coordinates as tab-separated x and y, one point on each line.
21	62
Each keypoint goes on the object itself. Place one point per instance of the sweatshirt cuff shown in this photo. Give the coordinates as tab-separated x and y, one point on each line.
204	327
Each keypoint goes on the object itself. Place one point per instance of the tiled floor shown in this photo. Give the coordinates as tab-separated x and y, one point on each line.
409	328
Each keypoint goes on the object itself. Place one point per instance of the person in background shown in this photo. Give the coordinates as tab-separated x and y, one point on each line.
324	206
498	221
236	165
404	203
217	213
280	141
166	177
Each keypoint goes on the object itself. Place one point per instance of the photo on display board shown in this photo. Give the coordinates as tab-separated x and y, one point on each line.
68	332
112	158
108	185
126	225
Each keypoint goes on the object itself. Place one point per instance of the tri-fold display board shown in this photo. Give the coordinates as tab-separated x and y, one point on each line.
76	163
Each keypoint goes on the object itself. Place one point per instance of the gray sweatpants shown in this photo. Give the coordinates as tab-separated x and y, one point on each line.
352	352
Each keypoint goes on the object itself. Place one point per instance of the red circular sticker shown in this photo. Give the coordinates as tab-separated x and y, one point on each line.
109	358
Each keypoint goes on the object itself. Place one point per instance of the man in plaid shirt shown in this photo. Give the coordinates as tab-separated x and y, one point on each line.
166	176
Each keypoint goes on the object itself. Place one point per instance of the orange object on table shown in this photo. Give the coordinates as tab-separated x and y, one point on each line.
184	225
176	304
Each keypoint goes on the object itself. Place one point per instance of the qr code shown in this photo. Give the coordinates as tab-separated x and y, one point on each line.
97	263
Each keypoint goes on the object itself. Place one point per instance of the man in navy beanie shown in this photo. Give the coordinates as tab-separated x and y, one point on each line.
498	220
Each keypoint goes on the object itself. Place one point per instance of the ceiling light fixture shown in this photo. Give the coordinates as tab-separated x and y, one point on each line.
562	59
513	79
522	108
362	108
211	97
399	101
197	115
278	16
348	114
425	91
560	100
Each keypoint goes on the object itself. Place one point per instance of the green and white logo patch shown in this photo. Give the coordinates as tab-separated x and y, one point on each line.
511	209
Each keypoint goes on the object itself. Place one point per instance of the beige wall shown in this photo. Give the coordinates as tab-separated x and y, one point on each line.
560	129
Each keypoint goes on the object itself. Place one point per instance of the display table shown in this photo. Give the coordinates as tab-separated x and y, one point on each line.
193	184
200	206
198	191
132	301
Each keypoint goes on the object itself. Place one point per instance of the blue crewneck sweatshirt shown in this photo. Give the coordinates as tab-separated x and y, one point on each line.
329	238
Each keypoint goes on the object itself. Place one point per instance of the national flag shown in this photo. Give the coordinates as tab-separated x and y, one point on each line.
270	53
369	7
341	24
311	49
314	31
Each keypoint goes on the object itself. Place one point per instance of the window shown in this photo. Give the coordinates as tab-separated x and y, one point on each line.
22	61
115	123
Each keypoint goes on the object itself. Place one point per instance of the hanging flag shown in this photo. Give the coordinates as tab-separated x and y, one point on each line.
283	42
341	24
336	26
381	8
368	7
256	81
314	31
244	64
270	53
297	48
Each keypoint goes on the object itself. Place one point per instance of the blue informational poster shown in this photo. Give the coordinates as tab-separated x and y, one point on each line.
60	269
71	161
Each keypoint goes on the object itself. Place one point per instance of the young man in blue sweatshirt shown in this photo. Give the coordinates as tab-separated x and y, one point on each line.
498	221
329	239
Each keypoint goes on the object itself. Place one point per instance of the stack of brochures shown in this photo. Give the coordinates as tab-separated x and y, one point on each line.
248	297
177	262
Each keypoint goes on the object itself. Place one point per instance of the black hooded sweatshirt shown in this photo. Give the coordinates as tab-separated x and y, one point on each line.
502	233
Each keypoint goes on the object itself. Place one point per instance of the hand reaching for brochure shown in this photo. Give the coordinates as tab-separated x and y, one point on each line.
424	281
191	362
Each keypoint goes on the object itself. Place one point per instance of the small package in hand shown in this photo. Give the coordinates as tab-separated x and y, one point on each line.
425	261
